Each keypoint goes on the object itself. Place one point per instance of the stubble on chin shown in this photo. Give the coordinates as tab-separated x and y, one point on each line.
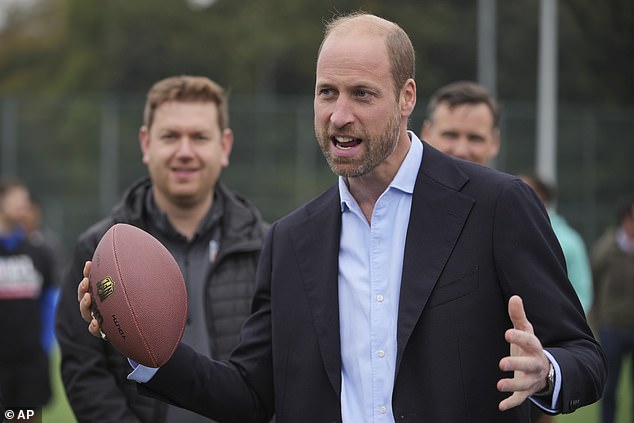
346	167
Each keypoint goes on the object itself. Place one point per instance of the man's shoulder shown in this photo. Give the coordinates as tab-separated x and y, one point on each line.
246	218
129	209
92	234
605	245
458	174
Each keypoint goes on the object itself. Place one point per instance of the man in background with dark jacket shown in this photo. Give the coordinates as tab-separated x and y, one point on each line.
613	311
214	234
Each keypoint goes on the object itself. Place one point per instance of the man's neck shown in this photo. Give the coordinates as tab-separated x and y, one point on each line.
6	229
366	189
185	218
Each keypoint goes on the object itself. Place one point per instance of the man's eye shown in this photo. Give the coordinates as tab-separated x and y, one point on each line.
200	137
326	92
476	139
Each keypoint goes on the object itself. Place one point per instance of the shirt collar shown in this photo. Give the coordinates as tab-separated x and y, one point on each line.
404	180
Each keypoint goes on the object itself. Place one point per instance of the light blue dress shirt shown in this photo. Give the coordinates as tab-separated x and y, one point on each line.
370	269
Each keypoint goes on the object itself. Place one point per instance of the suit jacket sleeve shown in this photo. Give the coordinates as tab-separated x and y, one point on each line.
530	263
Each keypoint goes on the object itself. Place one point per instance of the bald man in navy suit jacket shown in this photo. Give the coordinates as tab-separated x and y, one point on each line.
451	266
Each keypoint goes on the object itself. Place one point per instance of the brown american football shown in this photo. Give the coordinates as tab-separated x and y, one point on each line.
138	295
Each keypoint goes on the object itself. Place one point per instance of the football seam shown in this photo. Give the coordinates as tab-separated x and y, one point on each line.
148	349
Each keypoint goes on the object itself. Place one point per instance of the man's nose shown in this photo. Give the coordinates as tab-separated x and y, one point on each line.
185	146
342	113
461	148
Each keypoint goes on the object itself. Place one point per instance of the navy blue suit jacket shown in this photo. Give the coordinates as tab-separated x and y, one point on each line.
475	237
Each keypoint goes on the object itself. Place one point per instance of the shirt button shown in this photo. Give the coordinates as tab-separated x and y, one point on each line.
383	410
380	353
380	298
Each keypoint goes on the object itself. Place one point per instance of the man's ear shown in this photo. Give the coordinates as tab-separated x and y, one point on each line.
226	146
144	142
407	98
495	145
424	132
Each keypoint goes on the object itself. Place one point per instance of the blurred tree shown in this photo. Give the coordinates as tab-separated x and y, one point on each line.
269	47
30	42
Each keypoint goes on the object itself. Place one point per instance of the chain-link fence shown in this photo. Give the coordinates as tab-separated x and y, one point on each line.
79	153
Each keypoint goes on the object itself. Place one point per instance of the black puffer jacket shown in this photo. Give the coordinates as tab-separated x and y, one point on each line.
93	372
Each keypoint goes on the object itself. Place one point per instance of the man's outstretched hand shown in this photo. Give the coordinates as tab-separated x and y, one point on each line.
527	360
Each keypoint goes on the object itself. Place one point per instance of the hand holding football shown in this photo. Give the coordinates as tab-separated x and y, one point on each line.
138	295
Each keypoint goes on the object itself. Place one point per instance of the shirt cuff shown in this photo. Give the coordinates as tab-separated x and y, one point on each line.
141	373
544	403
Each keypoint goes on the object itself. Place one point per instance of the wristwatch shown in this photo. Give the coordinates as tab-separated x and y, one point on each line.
550	383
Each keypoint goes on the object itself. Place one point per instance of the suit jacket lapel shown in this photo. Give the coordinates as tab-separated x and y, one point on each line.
438	213
316	241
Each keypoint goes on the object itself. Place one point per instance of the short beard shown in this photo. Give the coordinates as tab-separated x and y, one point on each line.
377	149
